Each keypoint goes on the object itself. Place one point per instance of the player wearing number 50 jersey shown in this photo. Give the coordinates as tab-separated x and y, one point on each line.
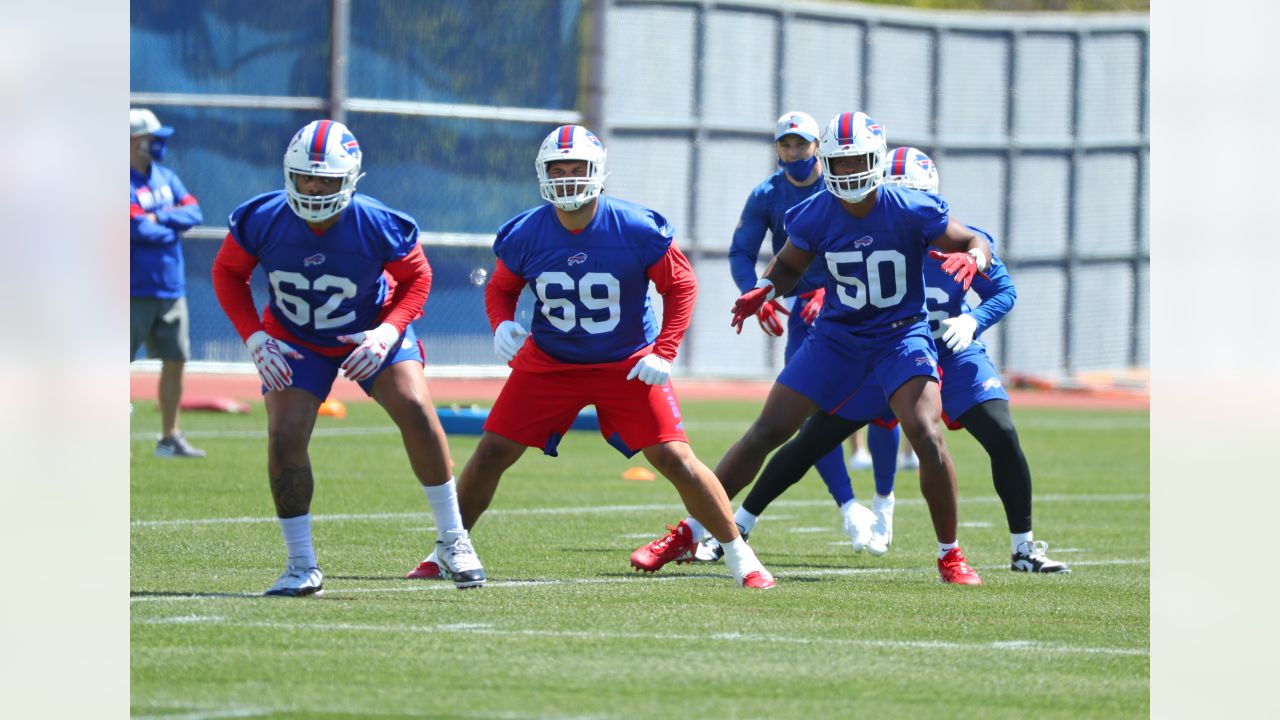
590	260
328	253
873	241
973	397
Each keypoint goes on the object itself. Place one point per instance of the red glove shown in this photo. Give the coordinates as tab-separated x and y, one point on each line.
749	304
962	266
767	315
816	300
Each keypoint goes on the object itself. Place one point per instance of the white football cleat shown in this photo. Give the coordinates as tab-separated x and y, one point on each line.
857	524
709	550
1030	557
459	560
298	581
882	528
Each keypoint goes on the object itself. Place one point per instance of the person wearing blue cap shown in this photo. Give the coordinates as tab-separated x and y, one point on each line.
160	210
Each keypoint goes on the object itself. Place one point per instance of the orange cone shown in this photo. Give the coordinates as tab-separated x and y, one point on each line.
638	473
333	408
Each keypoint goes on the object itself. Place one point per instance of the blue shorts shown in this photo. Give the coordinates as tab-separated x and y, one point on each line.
968	379
315	373
830	374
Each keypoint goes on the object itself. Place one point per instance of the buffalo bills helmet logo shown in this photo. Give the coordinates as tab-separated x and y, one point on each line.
863	241
316	259
874	127
578	258
351	146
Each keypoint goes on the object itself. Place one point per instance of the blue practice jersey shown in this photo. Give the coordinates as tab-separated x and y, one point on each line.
591	288
323	286
946	297
875	265
155	255
766	206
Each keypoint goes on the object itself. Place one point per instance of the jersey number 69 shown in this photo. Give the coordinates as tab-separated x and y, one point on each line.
567	310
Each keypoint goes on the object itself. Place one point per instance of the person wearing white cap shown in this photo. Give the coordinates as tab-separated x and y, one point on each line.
795	139
160	210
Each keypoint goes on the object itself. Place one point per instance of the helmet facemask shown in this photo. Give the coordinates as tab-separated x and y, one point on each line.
852	135
322	149
571	142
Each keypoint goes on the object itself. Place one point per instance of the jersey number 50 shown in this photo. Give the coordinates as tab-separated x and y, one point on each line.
567	316
296	308
872	289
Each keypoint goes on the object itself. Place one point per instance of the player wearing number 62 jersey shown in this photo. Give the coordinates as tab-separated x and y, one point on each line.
873	241
590	260
328	254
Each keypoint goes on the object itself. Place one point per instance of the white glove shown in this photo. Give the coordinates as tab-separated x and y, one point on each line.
652	370
268	356
960	330
508	339
374	344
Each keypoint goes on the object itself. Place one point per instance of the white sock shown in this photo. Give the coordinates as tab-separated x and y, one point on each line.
745	521
297	540
444	505
696	528
740	558
944	547
1017	539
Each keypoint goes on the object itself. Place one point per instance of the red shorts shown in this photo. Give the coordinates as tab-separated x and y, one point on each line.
537	408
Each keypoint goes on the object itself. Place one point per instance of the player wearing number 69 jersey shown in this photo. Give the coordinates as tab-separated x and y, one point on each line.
590	260
328	253
873	241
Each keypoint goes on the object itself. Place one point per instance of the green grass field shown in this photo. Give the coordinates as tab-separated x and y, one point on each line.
566	629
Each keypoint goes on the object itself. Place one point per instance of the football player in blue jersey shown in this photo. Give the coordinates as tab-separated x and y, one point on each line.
590	260
346	276
799	177
973	397
160	210
873	241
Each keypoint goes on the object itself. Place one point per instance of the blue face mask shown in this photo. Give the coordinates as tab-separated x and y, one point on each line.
799	169
157	149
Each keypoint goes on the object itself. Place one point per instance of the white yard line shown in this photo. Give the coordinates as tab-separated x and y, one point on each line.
589	509
481	629
712	572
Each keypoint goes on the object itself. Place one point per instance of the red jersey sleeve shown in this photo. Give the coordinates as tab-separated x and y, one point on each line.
231	270
501	295
412	275
674	279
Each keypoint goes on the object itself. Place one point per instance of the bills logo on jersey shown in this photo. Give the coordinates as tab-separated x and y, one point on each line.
863	241
991	384
925	360
317	259
577	259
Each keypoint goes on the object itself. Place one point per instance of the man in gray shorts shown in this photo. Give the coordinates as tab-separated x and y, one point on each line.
160	210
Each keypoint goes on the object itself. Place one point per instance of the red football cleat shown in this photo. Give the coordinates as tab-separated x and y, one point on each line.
953	569
428	569
678	544
758	580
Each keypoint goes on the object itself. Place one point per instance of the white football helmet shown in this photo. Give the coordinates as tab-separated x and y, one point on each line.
571	142
327	149
853	134
911	168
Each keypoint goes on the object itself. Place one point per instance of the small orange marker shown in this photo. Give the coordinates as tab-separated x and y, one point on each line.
333	408
637	473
